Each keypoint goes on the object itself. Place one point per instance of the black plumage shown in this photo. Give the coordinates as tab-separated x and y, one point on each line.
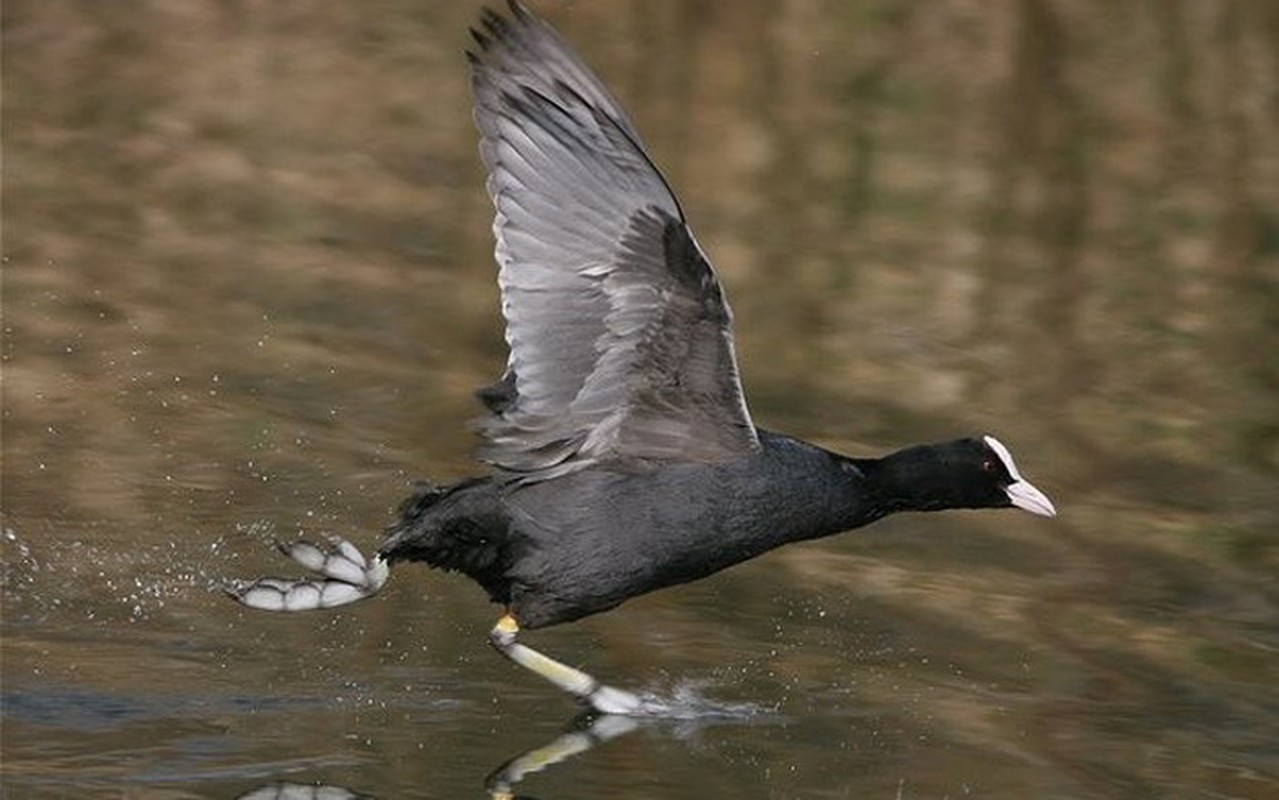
623	456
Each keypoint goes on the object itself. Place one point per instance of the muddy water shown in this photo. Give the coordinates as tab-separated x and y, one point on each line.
248	290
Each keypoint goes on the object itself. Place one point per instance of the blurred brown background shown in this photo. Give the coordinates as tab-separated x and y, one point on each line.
247	283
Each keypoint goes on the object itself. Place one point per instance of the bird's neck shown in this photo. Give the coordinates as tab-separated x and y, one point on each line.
900	481
827	493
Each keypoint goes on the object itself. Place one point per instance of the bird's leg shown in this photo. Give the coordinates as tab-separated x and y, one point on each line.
601	697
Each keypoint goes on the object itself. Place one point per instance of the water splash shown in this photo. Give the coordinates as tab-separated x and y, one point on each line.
98	581
687	702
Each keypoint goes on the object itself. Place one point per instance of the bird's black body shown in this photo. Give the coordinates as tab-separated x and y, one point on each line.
584	542
624	458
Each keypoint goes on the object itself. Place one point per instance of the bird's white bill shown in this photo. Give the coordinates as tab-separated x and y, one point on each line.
1028	498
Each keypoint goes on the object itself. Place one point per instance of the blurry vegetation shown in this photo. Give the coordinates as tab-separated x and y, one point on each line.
249	239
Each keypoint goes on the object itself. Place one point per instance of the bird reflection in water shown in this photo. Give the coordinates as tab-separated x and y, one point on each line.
583	733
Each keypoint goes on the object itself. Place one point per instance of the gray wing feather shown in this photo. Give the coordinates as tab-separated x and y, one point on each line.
620	337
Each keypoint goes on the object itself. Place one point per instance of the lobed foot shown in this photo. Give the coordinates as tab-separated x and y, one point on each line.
343	575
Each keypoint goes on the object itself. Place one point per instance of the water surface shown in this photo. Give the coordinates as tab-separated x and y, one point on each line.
248	291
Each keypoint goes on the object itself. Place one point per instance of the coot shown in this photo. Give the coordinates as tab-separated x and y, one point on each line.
623	455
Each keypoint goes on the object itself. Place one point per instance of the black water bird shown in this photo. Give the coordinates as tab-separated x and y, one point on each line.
623	455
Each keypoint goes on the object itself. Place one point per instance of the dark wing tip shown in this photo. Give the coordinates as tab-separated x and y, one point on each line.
519	10
496	25
482	39
497	32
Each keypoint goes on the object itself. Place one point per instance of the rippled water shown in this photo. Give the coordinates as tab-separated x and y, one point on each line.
248	290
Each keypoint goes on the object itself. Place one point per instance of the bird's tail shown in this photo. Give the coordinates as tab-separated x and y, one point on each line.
341	575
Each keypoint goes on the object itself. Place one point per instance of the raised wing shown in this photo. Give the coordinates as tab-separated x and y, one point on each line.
620	337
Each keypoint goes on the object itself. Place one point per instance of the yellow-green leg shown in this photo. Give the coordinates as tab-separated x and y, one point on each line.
601	697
